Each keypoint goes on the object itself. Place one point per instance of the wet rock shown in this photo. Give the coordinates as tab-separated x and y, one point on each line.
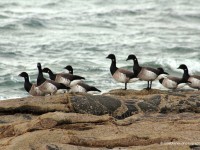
181	102
198	104
165	110
88	122
147	107
155	100
52	147
97	105
132	109
1	121
194	147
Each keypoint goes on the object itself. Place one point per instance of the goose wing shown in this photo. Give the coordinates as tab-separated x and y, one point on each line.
196	76
175	79
128	73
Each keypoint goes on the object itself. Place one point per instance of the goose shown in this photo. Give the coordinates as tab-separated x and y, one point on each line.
119	74
172	82
64	78
32	89
48	86
69	68
194	80
144	73
83	88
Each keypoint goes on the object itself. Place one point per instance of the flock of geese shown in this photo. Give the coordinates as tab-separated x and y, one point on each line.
150	74
68	82
58	83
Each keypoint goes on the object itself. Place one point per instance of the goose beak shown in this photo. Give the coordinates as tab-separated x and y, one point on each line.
127	59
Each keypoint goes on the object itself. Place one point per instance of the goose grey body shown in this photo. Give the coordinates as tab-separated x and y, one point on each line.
68	79
83	88
195	81
119	74
124	76
49	87
172	82
65	78
35	91
148	74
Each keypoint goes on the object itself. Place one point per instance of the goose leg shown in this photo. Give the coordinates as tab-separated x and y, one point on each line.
150	84
147	85
125	86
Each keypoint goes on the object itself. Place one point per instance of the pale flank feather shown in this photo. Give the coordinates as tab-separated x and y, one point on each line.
48	88
195	82
181	85
120	77
62	80
77	88
75	82
147	75
168	83
35	91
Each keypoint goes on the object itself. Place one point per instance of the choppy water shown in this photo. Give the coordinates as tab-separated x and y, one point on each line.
82	33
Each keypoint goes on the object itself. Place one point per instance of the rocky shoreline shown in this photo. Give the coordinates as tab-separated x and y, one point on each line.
118	119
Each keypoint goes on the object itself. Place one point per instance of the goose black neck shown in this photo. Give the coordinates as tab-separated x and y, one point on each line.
136	67
185	75
113	66
71	72
27	84
40	78
76	77
161	80
52	76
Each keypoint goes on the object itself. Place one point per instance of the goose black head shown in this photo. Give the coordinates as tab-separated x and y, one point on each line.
69	68
111	56
39	65
46	70
161	71
131	57
23	74
183	66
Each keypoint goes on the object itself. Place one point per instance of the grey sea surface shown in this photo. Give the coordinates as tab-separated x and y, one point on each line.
81	33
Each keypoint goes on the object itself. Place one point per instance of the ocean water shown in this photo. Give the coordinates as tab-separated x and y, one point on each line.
82	33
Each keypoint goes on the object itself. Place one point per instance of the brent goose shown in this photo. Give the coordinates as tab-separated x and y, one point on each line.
194	80
144	73
48	86
172	82
32	89
83	88
64	78
162	74
69	68
119	74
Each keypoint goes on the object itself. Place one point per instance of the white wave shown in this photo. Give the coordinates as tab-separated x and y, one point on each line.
173	64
